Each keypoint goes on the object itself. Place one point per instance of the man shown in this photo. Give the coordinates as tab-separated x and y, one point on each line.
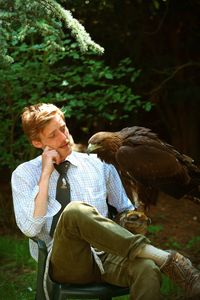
122	258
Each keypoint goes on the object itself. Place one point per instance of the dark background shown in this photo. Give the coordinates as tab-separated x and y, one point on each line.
165	44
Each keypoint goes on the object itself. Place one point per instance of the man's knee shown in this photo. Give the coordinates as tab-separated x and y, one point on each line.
72	216
73	206
76	211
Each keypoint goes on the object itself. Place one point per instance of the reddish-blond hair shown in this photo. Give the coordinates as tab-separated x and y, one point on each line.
36	117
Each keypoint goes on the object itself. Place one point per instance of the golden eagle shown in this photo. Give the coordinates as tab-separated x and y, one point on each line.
147	165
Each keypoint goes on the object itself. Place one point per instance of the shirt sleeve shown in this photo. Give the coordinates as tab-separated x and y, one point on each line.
116	194
24	191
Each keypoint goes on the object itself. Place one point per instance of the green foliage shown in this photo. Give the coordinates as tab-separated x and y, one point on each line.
16	250
88	90
170	290
173	244
17	270
153	229
19	16
194	243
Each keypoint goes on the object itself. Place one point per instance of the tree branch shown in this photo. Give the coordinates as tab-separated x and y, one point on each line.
172	75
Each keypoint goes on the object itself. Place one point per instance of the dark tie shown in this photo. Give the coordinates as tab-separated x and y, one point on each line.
62	191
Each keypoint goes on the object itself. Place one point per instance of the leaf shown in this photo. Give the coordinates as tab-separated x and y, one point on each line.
147	106
108	75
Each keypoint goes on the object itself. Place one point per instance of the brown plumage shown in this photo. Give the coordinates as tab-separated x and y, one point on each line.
147	165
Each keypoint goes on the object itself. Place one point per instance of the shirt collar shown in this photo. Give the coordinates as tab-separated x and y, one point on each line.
73	159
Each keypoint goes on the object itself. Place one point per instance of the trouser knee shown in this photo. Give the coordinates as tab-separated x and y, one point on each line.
76	211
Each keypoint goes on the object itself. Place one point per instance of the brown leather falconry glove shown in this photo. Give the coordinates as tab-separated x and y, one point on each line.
134	221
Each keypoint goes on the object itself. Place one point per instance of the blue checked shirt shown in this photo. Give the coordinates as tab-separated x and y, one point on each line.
91	181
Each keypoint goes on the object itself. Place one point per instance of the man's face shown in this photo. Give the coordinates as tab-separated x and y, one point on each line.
55	135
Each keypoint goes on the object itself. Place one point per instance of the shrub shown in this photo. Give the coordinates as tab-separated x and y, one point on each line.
89	91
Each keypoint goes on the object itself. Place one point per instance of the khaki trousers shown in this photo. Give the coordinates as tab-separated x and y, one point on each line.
80	227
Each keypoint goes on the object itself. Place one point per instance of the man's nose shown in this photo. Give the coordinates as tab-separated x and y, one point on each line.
64	136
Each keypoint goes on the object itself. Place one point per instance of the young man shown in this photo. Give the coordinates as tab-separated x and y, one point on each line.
122	258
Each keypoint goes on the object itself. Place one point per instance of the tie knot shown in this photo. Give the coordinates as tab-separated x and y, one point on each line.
63	167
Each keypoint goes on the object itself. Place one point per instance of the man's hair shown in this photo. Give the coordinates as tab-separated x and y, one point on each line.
36	117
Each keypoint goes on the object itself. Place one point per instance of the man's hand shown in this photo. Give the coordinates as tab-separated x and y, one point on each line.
49	157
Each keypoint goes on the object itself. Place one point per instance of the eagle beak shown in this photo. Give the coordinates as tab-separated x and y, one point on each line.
92	148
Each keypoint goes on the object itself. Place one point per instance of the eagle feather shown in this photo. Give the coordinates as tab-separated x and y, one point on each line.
147	164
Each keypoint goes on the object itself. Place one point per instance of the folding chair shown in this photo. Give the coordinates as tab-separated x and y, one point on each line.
60	291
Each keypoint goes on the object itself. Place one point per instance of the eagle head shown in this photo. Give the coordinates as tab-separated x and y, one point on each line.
105	145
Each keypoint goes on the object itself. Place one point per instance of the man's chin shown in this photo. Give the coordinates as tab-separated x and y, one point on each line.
65	152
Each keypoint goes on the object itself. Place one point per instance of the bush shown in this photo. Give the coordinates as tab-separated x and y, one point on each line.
89	91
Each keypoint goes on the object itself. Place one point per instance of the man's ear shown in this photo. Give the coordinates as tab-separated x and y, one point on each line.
37	144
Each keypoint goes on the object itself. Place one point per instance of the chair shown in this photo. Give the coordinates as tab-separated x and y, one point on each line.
60	291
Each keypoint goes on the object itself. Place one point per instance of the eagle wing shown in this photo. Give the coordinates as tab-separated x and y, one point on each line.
147	164
151	163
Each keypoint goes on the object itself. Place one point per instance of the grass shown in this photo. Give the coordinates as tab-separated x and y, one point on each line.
18	272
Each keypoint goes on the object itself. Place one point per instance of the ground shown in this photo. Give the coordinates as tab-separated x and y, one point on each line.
176	224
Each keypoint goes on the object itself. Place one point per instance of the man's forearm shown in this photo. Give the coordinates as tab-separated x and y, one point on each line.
41	200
